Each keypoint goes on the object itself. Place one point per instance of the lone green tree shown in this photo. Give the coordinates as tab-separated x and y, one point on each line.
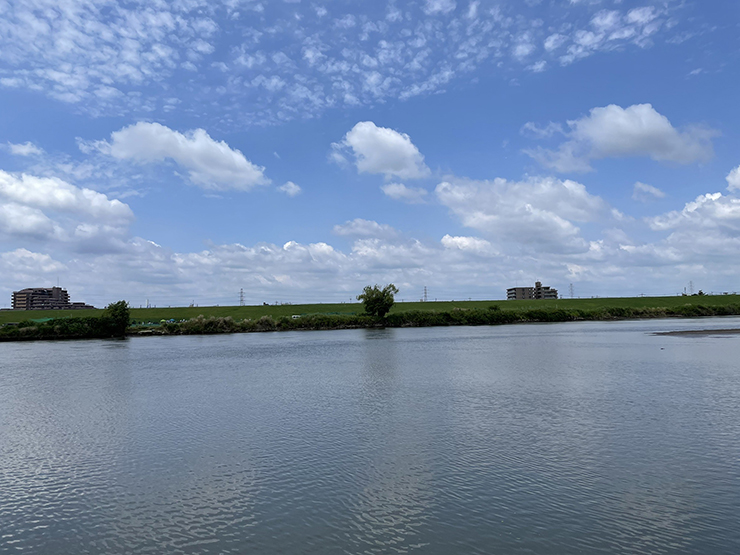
118	316
378	301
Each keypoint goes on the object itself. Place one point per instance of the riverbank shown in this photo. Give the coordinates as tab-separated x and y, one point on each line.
275	311
492	315
219	319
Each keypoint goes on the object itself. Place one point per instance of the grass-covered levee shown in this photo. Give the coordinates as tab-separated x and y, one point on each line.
113	322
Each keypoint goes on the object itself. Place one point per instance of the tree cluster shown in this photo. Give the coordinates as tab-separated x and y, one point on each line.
378	301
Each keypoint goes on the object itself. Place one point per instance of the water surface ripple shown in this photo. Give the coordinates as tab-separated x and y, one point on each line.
548	439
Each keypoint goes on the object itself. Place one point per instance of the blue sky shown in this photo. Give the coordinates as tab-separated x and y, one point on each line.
181	151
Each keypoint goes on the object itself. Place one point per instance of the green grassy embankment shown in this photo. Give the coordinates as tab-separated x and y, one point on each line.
155	315
235	319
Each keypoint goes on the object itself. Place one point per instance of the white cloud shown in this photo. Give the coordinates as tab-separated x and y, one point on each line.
537	214
554	41
523	47
25	149
468	244
615	132
640	130
59	196
538	67
645	193
531	129
117	61
707	212
211	164
365	228
472	12
569	158
50	209
21	262
605	20
399	191
21	221
380	150
290	189
733	180
439	6
346	22
642	16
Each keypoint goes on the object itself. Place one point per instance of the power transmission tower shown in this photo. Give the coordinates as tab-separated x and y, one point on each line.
425	294
241	297
571	290
691	288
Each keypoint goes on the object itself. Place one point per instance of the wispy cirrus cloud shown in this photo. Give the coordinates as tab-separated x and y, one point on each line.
399	191
645	193
273	62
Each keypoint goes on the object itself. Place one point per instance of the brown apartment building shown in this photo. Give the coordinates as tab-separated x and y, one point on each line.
42	298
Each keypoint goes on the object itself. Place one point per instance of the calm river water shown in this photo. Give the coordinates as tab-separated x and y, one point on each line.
545	439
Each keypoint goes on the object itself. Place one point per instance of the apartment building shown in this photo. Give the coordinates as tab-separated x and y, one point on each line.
42	298
539	291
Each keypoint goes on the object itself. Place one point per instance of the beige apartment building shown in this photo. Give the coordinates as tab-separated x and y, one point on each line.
537	292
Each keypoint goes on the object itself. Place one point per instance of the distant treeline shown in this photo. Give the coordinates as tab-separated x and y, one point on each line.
114	321
459	317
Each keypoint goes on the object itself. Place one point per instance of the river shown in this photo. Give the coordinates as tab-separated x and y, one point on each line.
593	437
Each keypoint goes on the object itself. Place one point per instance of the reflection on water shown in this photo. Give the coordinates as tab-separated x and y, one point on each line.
565	438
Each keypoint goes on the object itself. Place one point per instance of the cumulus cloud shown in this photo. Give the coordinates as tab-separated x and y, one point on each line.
53	210
212	165
733	180
399	191
380	150
702	241
21	221
59	196
645	193
290	189
707	212
537	214
616	132
20	263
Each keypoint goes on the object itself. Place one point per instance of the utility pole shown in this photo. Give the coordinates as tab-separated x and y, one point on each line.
241	297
